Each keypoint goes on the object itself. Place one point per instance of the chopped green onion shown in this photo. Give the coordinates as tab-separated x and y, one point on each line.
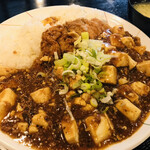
97	70
93	102
88	78
93	61
96	95
102	91
83	78
85	35
85	86
68	110
63	91
89	52
67	64
80	91
86	60
95	44
42	74
75	66
85	67
94	53
77	41
105	110
108	98
83	45
60	62
79	72
93	74
69	57
68	72
97	86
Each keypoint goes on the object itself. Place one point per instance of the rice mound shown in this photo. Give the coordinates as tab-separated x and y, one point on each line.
20	48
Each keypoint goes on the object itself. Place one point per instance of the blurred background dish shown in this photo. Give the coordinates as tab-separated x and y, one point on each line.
139	14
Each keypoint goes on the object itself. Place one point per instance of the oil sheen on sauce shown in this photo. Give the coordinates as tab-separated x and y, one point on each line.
143	8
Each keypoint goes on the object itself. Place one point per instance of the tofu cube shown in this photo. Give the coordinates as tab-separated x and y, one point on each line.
115	40
58	72
19	108
70	95
123	80
42	95
75	83
128	42
22	126
140	49
144	67
86	96
140	88
88	107
132	63
39	119
99	128
79	101
108	48
8	95
7	100
33	129
126	91
4	109
128	109
120	59
118	29
70	130
109	76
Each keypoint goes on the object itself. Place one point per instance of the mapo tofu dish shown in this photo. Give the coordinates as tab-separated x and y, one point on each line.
88	89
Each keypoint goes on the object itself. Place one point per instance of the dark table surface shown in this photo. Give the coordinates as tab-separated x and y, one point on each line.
9	8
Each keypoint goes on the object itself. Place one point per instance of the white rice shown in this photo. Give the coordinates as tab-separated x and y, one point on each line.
20	48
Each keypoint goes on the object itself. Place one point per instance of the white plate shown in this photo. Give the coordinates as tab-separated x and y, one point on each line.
70	13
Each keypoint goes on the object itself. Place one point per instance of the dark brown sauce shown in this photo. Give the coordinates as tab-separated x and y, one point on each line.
53	138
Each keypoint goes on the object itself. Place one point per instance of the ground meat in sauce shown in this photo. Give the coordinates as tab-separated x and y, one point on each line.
61	39
57	39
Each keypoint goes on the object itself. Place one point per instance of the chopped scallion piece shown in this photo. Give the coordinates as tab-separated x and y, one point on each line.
77	41
85	35
63	91
60	62
68	72
86	61
85	86
96	95
93	102
42	74
105	110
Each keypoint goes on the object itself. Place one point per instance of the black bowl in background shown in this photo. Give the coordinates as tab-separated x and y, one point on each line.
137	18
